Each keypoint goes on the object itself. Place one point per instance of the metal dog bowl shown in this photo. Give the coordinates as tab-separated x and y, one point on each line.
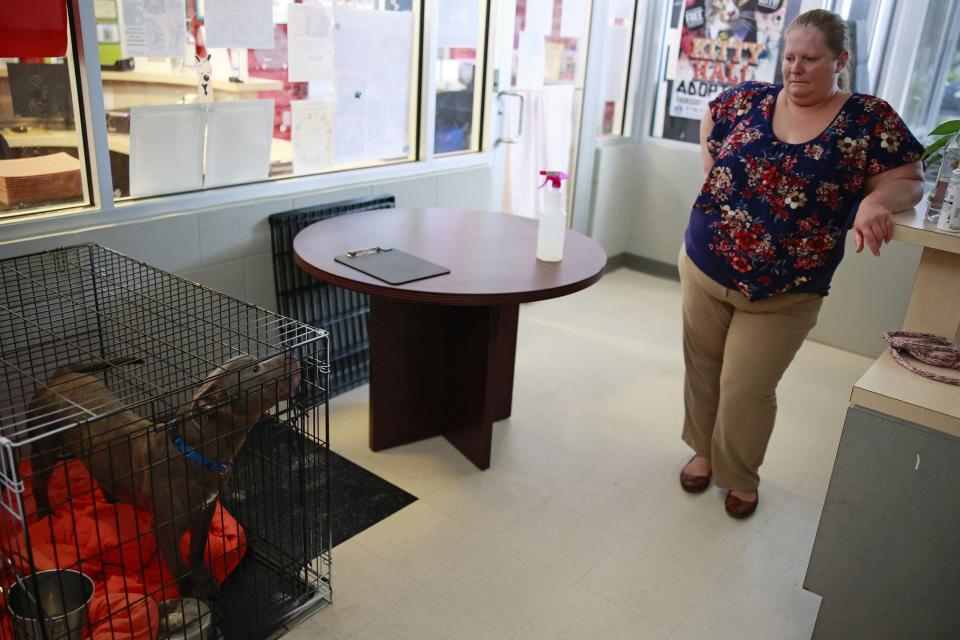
186	619
62	611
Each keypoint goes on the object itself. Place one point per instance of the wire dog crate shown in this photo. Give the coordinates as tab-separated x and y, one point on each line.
340	311
165	442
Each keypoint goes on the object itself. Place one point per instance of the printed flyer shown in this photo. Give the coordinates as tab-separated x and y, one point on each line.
724	43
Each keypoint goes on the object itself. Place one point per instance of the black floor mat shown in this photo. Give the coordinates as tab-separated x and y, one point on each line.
278	494
360	499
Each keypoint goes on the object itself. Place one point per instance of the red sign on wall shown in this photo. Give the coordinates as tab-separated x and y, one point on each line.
35	29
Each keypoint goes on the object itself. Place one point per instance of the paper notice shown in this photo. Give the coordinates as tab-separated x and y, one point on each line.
531	61
312	135
310	50
280	11
153	28
239	24
616	56
374	52
573	18
351	121
459	23
539	17
108	33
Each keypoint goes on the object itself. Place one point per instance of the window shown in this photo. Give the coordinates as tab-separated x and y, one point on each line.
934	81
459	80
950	85
203	94
617	39
868	22
200	94
42	160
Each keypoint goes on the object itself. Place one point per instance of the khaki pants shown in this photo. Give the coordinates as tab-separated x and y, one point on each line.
735	352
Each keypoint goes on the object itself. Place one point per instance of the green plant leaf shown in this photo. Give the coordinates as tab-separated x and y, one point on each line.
950	126
935	146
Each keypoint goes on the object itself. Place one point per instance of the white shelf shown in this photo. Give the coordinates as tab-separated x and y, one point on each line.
889	388
912	227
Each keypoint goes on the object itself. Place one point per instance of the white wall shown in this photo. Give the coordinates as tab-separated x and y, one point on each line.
642	198
228	247
614	194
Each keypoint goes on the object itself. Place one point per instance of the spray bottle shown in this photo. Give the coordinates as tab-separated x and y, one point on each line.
553	219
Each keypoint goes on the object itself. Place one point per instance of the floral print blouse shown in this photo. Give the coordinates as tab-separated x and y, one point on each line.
772	216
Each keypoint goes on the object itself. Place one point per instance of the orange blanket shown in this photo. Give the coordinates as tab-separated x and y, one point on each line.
114	545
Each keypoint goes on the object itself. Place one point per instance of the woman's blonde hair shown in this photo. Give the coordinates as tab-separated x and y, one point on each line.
835	35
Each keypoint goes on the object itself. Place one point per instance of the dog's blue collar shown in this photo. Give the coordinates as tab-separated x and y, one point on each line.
193	455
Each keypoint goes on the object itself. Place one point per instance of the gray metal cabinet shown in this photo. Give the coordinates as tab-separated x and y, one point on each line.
886	559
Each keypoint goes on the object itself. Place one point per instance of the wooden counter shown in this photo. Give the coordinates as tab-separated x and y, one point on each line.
934	308
281	151
189	80
124	89
36	137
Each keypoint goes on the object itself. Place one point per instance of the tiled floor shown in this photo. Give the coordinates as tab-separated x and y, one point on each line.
579	529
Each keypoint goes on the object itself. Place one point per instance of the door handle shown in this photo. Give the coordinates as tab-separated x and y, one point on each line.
519	96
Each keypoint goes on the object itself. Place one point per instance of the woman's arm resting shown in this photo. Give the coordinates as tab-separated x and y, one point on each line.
887	193
706	127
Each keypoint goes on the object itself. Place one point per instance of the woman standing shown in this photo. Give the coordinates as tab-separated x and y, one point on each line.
787	167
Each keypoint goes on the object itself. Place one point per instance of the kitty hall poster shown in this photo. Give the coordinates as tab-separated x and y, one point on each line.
723	43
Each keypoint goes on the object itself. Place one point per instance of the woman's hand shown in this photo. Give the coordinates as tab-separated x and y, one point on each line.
893	190
873	226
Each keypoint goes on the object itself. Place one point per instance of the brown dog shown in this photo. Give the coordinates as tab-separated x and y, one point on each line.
175	471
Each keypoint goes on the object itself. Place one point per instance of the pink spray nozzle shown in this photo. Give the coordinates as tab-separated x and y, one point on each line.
555	178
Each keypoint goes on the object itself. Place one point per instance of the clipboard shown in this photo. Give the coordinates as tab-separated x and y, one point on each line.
391	265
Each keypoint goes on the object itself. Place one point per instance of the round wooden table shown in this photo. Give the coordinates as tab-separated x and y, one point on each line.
442	349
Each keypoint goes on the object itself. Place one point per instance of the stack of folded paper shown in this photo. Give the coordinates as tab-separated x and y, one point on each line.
51	178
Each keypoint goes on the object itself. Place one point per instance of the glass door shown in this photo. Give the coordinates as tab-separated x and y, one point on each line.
540	64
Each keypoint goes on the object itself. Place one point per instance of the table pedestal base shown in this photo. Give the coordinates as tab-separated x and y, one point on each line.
440	370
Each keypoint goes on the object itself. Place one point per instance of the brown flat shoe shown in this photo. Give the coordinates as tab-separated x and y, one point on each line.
694	484
739	509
